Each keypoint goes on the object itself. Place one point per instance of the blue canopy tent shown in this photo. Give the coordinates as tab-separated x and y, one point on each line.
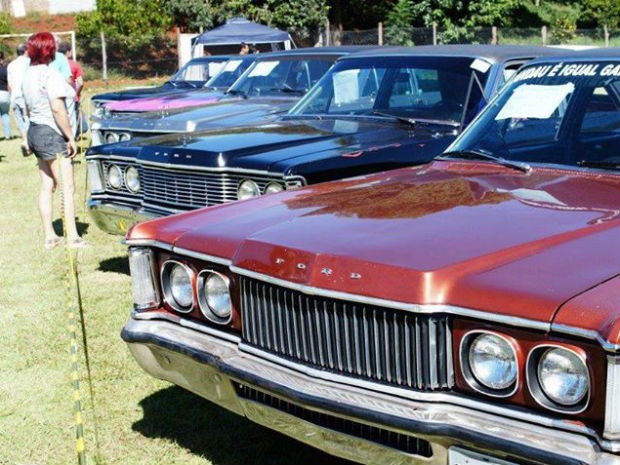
238	30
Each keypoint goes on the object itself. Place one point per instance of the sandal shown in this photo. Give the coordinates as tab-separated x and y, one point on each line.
51	243
77	243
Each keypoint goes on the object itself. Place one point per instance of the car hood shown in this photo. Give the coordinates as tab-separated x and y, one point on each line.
468	234
185	99
279	145
228	112
138	92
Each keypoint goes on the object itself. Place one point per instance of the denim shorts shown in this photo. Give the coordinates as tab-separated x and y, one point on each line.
45	142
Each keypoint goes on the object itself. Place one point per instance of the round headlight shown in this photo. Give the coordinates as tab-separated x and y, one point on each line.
563	376
177	286
214	296
132	179
493	361
111	138
123	136
273	187
248	189
115	177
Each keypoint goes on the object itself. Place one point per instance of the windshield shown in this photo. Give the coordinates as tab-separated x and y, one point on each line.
290	75
199	70
564	113
229	73
437	88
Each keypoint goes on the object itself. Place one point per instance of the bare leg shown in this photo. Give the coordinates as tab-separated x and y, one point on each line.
48	185
68	191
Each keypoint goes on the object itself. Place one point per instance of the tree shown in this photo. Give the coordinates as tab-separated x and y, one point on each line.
399	29
189	15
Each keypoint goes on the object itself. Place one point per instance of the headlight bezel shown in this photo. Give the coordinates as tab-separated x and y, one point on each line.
165	278
110	134
127	181
124	136
140	258
109	169
535	386
468	373
248	181
203	302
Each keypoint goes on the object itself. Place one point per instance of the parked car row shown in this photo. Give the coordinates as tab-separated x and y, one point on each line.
462	308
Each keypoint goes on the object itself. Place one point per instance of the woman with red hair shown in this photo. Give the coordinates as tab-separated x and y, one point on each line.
49	101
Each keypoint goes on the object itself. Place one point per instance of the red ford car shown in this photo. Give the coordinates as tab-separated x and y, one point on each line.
466	311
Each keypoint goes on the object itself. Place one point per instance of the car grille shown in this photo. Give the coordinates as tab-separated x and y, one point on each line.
401	442
366	341
187	190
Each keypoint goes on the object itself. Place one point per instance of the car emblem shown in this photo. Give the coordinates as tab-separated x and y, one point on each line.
355	276
326	271
279	261
301	266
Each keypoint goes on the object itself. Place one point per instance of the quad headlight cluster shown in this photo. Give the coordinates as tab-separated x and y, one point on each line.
118	177
183	289
112	137
557	377
248	189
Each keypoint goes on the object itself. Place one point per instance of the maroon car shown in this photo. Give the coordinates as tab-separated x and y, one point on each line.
460	312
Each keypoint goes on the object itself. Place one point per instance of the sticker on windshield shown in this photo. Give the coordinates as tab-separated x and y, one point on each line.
263	68
346	86
535	101
232	65
480	65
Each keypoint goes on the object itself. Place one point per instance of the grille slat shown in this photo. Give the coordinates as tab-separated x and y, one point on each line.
186	190
377	343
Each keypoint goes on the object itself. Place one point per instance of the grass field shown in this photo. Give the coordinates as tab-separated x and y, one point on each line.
134	419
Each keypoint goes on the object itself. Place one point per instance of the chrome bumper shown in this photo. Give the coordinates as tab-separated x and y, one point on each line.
215	368
116	219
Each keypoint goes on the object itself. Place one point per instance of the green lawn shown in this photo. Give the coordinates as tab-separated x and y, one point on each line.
139	420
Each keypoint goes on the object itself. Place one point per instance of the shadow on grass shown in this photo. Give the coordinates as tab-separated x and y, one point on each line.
82	228
219	435
115	265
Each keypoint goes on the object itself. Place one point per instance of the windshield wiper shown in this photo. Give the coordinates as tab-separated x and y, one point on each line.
608	165
414	121
237	92
481	155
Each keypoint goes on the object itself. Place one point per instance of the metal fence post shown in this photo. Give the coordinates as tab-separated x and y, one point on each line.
327	34
543	33
606	29
434	33
104	58
380	33
494	40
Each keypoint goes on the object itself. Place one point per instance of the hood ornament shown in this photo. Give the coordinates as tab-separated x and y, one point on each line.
327	271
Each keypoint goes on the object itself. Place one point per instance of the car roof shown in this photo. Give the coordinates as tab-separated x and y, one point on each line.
592	54
211	58
495	53
313	51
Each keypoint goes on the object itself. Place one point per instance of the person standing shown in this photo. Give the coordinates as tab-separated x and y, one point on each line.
77	82
5	98
50	135
15	74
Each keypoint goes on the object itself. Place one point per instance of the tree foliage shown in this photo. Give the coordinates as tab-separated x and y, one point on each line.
399	24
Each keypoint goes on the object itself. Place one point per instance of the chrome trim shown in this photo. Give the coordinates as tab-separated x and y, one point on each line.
471	379
165	316
200	292
213	169
164	277
111	157
556	407
612	399
200	256
147	243
416	308
586	334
